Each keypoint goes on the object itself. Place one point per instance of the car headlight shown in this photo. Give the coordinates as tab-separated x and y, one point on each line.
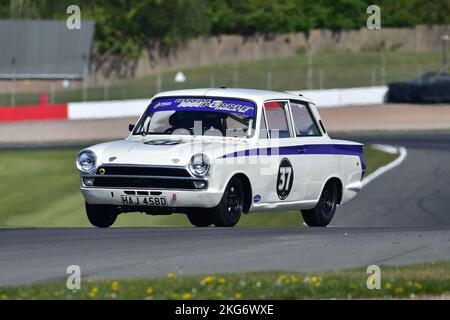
86	161
199	165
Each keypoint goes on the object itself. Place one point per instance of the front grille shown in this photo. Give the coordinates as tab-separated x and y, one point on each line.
135	182
142	171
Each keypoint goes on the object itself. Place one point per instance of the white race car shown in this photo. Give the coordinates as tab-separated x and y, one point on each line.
214	154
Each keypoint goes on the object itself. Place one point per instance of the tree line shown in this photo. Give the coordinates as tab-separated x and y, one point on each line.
125	27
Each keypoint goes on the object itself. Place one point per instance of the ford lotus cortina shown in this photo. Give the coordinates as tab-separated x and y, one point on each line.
215	154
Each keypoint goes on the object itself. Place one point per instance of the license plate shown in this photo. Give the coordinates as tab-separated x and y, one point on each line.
144	201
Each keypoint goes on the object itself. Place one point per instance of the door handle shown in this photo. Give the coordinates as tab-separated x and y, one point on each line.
301	150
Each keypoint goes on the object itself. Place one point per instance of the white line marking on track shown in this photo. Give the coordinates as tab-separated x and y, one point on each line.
403	153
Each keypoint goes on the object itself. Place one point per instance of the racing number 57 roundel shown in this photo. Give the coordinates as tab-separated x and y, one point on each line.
285	179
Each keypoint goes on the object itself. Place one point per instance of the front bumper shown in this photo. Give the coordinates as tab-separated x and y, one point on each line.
110	183
182	199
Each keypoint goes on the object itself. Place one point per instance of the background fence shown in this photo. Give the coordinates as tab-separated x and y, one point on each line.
325	70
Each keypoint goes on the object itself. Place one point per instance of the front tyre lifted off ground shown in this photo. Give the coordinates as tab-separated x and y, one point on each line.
101	216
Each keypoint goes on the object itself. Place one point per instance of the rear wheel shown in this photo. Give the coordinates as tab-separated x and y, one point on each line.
229	210
324	211
202	219
101	216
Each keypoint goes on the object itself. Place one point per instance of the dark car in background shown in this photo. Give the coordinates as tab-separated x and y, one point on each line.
431	87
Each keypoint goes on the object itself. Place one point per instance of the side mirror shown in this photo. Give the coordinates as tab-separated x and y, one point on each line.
131	127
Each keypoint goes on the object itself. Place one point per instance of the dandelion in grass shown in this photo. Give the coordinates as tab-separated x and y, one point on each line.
281	279
207	280
115	286
149	291
294	279
187	296
93	293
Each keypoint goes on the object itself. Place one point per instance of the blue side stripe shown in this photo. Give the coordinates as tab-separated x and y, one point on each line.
337	149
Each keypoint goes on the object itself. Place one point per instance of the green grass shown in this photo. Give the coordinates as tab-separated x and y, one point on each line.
430	279
340	69
376	158
41	189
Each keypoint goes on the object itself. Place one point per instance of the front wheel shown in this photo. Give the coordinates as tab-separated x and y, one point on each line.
229	210
200	219
324	211
100	216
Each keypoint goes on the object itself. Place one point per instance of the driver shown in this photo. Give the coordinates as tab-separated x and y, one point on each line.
180	120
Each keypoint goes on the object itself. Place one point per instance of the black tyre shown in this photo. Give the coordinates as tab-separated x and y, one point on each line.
200	219
324	211
229	210
101	216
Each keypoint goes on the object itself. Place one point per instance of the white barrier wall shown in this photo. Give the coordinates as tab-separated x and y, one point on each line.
106	109
134	108
346	97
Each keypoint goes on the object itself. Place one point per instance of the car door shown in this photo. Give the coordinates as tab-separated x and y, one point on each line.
284	172
311	147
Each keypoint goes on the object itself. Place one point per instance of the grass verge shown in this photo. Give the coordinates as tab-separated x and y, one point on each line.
41	189
418	280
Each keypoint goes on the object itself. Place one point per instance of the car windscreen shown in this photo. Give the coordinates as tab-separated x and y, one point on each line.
209	116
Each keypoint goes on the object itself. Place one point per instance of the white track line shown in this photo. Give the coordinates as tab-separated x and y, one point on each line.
389	149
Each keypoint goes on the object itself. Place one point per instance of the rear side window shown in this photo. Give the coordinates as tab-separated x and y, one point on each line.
277	122
303	121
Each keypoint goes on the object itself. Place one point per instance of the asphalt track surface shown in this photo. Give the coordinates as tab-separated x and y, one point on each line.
401	217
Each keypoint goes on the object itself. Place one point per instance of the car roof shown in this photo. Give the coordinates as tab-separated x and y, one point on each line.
258	96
